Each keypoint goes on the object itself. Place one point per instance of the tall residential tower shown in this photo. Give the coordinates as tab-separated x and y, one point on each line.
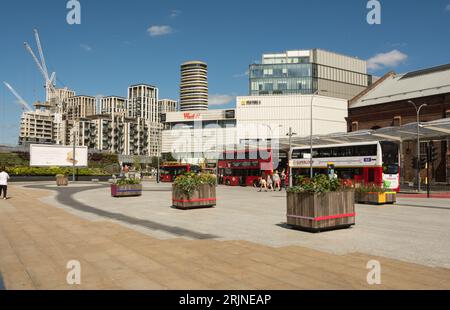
194	86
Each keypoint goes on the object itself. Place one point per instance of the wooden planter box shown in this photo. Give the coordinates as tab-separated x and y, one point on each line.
131	190
320	212
62	181
204	197
376	198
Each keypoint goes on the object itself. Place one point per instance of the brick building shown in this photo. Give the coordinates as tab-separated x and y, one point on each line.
386	103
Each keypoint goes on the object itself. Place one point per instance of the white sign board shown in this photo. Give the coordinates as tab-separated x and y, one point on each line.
57	156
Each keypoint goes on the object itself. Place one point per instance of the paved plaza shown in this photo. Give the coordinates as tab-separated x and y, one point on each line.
243	243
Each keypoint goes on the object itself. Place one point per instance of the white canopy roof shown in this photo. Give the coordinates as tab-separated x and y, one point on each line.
431	130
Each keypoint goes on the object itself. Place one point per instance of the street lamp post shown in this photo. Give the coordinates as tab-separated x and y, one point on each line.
418	109
311	159
159	153
290	135
74	155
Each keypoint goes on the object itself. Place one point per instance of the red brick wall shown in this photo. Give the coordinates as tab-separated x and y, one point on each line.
380	116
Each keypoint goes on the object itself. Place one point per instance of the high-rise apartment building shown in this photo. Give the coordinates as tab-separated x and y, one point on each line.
36	128
113	105
308	72
143	102
194	86
143	106
79	107
124	126
167	105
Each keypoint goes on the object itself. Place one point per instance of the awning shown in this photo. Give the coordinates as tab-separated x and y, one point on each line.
439	129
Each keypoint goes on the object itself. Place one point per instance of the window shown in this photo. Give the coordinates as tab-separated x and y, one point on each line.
282	86
355	126
268	87
397	121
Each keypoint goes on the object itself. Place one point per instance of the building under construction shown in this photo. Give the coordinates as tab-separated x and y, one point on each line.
125	126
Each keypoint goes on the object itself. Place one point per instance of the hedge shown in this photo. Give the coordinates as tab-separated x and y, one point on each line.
53	171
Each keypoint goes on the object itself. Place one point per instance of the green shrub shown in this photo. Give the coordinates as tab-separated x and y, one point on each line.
128	182
190	182
53	171
319	184
371	188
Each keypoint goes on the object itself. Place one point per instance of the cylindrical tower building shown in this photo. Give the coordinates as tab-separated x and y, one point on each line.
194	86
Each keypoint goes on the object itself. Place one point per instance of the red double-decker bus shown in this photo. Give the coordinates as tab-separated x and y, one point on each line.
244	168
170	171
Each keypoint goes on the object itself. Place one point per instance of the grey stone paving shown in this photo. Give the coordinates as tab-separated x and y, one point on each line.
416	230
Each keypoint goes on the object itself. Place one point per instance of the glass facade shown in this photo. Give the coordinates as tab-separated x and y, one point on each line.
282	78
290	73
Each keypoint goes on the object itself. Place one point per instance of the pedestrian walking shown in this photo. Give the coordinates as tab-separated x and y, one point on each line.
4	177
283	180
270	183
277	181
262	183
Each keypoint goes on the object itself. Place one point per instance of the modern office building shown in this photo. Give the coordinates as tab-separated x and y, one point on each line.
271	117
196	135
194	86
256	119
308	72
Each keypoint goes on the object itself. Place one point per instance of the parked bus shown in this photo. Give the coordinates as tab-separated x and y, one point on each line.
244	168
368	163
170	171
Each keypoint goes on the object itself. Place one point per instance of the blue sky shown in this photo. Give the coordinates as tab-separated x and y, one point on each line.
124	42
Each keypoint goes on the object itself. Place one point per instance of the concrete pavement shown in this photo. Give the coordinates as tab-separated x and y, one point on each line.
166	248
415	230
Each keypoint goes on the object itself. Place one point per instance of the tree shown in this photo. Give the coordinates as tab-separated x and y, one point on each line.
137	163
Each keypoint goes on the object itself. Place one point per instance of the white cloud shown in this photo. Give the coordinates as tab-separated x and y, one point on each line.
447	8
156	31
220	99
175	13
386	60
86	47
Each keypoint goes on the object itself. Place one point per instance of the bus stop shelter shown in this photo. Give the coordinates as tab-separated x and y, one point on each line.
434	130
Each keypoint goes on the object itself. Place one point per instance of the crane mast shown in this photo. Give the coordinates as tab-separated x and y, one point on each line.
25	106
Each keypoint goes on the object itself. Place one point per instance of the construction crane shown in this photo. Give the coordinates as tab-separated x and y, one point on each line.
25	106
42	66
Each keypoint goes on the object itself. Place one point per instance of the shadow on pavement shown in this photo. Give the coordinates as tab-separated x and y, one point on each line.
65	197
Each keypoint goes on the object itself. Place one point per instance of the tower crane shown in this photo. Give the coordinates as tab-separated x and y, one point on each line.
42	66
25	106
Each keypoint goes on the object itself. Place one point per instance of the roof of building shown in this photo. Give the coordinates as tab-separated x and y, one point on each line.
142	84
194	62
399	87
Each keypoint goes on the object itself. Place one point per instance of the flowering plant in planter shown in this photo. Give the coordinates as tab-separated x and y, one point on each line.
190	182
127	181
319	184
375	194
192	191
371	188
320	204
126	188
62	180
